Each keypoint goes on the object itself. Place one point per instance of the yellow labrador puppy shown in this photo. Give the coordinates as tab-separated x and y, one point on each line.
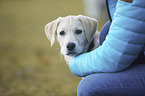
75	34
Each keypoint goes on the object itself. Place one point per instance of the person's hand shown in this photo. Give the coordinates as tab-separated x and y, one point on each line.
67	59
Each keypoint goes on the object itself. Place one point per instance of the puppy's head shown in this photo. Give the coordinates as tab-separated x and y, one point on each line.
74	33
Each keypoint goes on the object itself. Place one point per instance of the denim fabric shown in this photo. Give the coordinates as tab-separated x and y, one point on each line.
130	82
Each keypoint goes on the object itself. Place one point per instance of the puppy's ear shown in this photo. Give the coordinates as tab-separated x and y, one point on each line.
51	28
90	26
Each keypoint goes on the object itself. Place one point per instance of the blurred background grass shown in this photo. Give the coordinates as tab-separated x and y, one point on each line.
28	65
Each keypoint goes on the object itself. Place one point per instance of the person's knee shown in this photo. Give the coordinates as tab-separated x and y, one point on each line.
83	88
90	86
126	83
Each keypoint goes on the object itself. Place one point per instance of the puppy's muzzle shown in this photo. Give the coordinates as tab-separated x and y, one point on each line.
70	46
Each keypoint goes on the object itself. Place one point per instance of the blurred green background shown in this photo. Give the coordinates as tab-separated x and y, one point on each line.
28	65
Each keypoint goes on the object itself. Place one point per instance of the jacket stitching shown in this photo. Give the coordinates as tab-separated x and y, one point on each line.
129	17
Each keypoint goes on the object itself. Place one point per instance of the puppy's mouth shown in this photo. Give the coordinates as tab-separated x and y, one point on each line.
72	53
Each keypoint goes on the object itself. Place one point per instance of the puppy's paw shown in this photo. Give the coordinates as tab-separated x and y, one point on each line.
67	59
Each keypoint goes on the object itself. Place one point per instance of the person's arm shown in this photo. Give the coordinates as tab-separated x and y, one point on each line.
124	42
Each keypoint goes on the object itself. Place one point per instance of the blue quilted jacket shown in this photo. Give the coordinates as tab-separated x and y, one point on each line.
123	43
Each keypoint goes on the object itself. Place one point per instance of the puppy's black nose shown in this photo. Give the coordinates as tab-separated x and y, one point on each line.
70	46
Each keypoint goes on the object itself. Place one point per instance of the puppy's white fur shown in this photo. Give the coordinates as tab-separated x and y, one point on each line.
69	25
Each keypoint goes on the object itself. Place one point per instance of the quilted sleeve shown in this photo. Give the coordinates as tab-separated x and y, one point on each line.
124	42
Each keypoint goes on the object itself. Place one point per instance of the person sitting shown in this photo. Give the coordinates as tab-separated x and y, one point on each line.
117	66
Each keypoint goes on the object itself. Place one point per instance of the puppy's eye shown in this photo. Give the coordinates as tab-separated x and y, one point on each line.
78	31
62	33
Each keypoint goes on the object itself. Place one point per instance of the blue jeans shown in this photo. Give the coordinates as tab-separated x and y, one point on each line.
130	82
